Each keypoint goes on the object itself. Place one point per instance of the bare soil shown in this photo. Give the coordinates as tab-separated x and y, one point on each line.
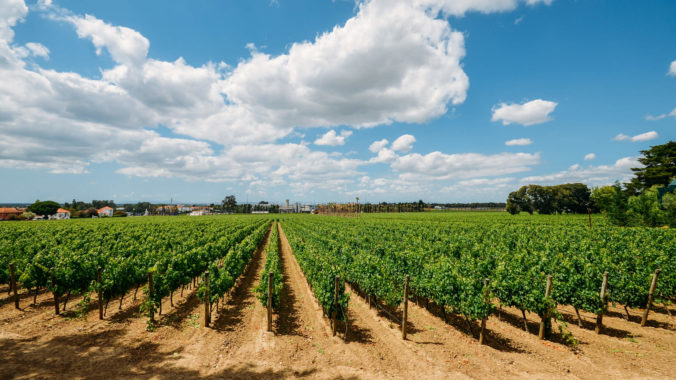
34	343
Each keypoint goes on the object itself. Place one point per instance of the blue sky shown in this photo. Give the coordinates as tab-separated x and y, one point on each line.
315	101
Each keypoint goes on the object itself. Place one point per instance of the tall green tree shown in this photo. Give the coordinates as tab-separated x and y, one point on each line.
44	207
229	203
659	168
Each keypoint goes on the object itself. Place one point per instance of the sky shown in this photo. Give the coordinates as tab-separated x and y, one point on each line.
319	100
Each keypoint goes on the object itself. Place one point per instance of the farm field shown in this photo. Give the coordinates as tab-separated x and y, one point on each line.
448	256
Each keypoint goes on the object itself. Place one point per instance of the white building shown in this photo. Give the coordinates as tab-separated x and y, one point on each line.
61	213
105	211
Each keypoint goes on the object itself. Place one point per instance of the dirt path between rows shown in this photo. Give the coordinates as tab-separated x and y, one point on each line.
34	343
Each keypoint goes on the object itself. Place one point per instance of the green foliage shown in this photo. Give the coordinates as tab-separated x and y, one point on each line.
43	207
224	272
176	250
273	267
567	198
119	214
659	167
448	255
618	208
644	209
669	205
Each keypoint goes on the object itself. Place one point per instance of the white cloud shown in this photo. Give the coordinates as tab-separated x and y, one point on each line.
124	44
332	139
642	137
534	112
378	145
460	7
38	50
437	165
589	156
11	12
662	116
519	142
394	61
384	156
672	69
403	143
591	175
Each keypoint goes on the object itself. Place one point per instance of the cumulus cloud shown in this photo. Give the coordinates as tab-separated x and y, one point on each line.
519	142
124	44
591	175
393	61
672	69
641	137
438	165
589	156
534	112
403	143
376	146
330	138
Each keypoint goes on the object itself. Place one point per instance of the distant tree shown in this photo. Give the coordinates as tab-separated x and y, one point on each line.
572	198
669	205
28	215
659	168
229	203
519	200
44	207
97	204
141	207
88	213
618	207
602	197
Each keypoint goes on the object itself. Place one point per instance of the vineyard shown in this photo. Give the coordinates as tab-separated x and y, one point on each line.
492	277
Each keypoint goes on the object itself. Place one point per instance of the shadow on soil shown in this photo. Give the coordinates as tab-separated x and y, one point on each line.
288	322
107	355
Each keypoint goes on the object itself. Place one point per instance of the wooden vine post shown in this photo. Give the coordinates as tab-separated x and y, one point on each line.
56	295
270	301
483	320
207	300
599	317
12	277
653	285
405	316
545	322
151	293
98	278
335	305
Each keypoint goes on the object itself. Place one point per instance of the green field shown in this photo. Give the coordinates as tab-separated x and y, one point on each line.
448	256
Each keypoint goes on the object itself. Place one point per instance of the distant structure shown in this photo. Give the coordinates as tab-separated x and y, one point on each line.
61	213
6	212
288	208
105	211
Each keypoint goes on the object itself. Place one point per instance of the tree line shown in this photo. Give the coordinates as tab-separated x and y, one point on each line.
647	199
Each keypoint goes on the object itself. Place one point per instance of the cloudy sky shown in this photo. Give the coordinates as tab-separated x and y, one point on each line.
444	100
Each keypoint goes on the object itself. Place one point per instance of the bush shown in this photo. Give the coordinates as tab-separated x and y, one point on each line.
119	214
669	205
644	209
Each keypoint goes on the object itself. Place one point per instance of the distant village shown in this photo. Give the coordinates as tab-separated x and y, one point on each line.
49	210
